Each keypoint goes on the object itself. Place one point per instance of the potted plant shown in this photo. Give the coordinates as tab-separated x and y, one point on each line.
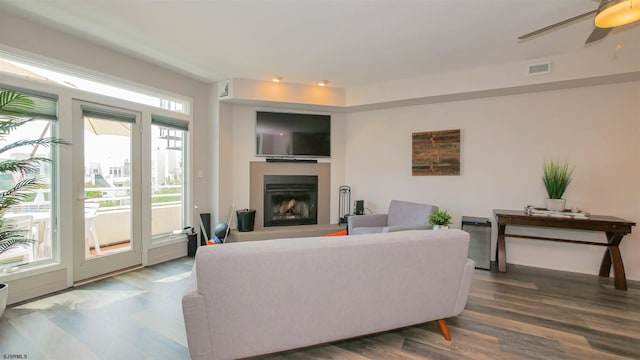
14	111
440	220
556	178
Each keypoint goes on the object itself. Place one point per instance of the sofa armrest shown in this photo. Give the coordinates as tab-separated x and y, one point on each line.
464	287
375	220
194	309
406	227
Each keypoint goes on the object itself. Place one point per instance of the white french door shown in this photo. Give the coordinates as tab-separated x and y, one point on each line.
106	181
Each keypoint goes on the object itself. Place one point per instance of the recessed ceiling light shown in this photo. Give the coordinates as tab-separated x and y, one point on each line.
276	78
323	83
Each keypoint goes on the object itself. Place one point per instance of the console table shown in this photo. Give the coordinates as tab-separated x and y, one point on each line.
615	229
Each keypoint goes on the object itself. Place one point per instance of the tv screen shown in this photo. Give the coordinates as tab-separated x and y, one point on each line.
292	135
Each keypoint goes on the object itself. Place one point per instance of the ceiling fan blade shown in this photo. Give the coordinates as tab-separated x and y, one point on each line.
558	24
597	34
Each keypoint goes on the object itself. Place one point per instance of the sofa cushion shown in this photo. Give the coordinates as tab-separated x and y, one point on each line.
408	213
367	230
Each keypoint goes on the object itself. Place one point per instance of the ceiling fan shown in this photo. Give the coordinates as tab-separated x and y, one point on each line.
609	14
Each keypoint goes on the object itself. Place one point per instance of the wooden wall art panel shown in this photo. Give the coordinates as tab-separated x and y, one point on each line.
435	153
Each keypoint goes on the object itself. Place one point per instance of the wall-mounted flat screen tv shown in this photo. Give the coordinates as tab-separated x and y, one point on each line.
293	135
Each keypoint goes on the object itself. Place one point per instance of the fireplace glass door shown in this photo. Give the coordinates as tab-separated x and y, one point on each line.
290	200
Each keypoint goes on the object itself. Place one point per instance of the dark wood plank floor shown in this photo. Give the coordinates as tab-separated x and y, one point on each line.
526	313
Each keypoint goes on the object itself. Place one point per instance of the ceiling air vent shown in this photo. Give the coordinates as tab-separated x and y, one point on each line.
537	69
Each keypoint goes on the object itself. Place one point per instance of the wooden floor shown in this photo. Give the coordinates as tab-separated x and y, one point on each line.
527	313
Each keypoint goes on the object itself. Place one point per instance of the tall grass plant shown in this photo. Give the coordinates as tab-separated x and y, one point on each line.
557	177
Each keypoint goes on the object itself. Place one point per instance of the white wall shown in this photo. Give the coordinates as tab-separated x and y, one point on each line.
256	91
220	161
504	141
616	55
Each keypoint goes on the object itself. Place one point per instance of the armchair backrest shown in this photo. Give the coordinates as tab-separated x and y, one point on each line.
409	213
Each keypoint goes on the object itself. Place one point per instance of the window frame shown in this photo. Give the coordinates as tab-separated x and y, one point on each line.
44	112
63	228
178	125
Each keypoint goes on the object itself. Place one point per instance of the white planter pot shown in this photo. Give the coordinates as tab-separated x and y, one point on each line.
4	295
440	227
555	204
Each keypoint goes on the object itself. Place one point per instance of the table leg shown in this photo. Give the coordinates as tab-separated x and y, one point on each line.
613	257
605	265
501	249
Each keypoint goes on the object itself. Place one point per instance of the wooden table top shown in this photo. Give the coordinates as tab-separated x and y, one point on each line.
594	222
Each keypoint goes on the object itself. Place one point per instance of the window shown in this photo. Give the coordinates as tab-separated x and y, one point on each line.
168	209
43	72
35	215
167	154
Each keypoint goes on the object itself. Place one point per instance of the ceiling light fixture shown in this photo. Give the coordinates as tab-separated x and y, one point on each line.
323	83
612	13
276	78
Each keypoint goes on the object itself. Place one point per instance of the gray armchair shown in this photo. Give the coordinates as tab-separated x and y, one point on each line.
402	215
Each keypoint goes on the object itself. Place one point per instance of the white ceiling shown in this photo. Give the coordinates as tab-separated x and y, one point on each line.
347	42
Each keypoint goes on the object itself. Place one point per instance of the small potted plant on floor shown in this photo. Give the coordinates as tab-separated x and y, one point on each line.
556	178
440	220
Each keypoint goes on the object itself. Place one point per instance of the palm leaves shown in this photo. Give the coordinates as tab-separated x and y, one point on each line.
10	236
556	178
14	110
14	105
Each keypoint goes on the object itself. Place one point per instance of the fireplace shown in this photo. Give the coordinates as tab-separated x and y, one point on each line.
258	170
290	200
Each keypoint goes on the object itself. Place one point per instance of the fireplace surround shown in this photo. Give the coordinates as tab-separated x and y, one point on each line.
259	169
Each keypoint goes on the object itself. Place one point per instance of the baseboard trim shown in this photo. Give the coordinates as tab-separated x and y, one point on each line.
107	275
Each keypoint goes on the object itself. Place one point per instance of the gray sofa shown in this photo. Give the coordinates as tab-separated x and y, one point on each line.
402	215
252	298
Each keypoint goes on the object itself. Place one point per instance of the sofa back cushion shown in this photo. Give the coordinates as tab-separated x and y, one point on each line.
409	213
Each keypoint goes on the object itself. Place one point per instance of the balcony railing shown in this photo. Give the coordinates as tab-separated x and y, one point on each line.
112	221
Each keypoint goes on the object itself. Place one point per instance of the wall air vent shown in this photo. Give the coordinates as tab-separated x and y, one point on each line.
537	69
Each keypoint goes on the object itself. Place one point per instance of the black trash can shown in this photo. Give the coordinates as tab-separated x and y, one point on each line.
246	218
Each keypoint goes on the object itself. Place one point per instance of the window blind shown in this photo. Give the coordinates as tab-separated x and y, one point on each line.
170	122
91	112
45	105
